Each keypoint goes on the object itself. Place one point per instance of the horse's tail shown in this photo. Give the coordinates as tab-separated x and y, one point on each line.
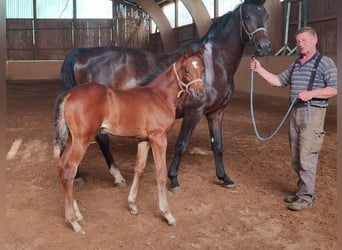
61	128
67	70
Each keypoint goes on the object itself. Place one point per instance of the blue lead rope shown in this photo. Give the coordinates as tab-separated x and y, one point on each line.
282	121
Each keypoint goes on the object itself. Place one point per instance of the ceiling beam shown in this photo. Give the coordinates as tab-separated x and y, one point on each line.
167	34
200	14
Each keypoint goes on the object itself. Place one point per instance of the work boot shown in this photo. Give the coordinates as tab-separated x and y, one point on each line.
293	198
290	198
300	205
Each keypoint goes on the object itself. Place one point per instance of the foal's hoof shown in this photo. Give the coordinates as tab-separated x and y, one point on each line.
79	181
121	184
133	208
172	223
77	228
134	212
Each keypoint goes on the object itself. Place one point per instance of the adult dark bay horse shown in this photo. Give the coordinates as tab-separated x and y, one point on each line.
224	42
146	113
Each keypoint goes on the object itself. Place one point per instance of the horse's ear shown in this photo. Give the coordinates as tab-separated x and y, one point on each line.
187	53
200	51
255	2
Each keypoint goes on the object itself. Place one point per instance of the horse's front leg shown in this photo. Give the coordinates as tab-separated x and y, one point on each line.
140	164
215	128
159	144
189	123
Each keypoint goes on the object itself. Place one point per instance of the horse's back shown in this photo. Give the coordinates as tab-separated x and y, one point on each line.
118	67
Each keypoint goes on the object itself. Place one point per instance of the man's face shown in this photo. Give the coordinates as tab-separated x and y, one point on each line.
306	43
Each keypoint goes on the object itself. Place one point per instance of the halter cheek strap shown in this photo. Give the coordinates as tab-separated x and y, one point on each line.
184	87
249	34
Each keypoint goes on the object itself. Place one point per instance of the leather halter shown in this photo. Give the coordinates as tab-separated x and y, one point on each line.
244	27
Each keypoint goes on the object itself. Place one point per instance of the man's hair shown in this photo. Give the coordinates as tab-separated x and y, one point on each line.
310	30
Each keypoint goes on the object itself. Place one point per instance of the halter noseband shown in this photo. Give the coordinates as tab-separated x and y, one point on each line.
184	87
249	34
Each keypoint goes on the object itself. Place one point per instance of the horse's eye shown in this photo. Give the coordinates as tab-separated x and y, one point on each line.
187	71
246	17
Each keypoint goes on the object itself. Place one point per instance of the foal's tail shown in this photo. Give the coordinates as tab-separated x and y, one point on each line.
61	128
67	70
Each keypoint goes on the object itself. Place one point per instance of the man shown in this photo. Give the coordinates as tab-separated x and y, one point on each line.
306	133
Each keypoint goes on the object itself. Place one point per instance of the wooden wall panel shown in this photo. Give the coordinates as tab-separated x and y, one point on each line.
55	38
19	39
322	16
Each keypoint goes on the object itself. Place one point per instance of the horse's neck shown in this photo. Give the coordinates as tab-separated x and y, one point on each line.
228	44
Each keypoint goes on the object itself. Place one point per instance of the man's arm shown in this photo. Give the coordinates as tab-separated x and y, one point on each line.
271	78
324	93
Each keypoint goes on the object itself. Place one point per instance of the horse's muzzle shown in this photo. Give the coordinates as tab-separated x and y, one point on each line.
263	47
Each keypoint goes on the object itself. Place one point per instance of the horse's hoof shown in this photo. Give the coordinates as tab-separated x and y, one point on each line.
231	187
79	181
175	190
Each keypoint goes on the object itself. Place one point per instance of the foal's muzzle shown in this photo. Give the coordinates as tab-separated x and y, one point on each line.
197	94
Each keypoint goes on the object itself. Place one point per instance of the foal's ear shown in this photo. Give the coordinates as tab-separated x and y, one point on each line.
187	53
200	51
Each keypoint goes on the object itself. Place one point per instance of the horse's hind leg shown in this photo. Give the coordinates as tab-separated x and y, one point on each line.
143	148
159	156
103	141
67	167
215	129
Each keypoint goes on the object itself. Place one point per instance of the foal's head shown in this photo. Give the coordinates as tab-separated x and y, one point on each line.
190	73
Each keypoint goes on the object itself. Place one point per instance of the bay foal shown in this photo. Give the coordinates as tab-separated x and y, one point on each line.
147	113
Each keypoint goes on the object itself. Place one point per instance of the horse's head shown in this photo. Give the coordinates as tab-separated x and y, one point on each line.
190	73
253	17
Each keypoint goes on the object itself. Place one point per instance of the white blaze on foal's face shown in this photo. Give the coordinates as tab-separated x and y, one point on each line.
195	64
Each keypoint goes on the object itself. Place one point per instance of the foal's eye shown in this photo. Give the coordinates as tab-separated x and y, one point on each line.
187	71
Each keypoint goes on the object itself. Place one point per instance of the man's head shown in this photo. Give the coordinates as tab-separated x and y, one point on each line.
306	40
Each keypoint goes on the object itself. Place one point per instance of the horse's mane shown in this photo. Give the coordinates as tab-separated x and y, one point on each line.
218	25
166	62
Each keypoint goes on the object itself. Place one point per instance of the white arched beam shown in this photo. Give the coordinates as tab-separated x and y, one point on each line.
167	34
200	14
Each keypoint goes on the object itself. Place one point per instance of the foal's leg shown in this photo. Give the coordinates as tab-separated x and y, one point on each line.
189	123
67	167
103	141
159	145
140	164
215	128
